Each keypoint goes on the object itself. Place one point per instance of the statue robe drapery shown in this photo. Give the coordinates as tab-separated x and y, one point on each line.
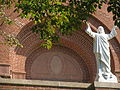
101	51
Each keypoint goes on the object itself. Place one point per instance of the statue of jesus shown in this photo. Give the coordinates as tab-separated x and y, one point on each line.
102	53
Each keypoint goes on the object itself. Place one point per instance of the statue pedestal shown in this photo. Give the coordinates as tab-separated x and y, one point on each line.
105	86
108	78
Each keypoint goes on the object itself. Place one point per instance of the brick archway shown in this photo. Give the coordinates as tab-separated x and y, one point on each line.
82	48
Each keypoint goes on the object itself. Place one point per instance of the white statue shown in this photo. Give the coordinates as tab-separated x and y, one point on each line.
102	53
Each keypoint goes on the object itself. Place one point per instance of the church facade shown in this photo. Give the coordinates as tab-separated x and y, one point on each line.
70	61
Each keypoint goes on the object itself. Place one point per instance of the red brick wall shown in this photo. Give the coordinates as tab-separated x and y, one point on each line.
79	42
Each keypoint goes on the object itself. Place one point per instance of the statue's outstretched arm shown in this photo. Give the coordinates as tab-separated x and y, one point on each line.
89	31
113	33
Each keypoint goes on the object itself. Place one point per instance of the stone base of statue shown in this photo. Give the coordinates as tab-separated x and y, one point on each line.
106	77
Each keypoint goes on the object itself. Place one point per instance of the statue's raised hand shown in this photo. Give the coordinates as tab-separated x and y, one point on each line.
115	27
87	24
